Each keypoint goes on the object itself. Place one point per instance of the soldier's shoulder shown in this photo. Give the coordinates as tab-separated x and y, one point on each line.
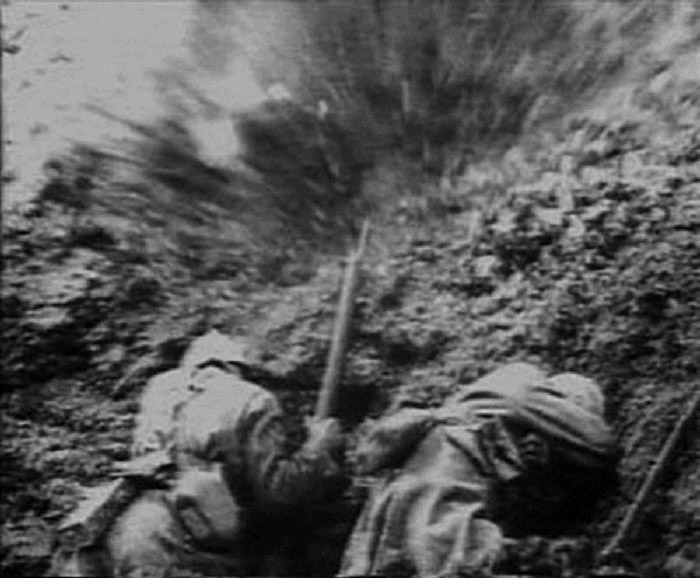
237	390
165	381
175	375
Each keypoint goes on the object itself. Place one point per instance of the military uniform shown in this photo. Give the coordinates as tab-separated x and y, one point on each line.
227	439
451	483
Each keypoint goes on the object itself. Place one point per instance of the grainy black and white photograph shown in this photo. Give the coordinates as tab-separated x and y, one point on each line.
324	288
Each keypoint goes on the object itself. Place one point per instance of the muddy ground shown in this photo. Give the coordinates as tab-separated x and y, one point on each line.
578	249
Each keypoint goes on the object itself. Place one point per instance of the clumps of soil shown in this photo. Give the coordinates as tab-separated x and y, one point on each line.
587	261
595	270
100	292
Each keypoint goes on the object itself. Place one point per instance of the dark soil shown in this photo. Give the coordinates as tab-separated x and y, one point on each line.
578	250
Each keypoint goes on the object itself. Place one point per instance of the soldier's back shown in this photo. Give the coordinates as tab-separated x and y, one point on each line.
161	398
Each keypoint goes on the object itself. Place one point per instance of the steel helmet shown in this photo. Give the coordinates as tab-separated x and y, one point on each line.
214	346
581	391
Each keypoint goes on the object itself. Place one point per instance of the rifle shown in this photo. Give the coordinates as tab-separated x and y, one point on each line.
328	397
610	563
629	522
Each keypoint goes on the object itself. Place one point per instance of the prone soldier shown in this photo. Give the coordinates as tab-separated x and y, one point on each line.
223	439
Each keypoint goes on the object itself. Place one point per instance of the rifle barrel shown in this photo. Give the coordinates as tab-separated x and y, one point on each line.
632	515
336	358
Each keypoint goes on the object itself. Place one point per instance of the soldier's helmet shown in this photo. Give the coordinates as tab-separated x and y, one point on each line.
216	347
581	391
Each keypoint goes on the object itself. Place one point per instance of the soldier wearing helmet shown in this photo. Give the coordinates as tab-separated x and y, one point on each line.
226	437
511	455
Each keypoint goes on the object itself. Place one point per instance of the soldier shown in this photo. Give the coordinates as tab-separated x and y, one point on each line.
513	454
226	438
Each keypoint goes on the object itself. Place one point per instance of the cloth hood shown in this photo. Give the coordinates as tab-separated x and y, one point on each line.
567	408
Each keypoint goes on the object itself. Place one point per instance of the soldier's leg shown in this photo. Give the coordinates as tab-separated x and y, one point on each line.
141	545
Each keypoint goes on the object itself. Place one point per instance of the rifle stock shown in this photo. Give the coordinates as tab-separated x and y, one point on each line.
327	400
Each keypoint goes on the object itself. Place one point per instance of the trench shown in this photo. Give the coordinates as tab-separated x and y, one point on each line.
497	240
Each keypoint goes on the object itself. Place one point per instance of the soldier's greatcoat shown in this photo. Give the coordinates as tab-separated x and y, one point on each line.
227	438
434	512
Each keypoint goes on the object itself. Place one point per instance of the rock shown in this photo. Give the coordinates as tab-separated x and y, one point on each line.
658	215
596	212
550	217
565	199
485	266
506	223
576	229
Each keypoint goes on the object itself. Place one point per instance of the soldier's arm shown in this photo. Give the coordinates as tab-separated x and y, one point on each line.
277	478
